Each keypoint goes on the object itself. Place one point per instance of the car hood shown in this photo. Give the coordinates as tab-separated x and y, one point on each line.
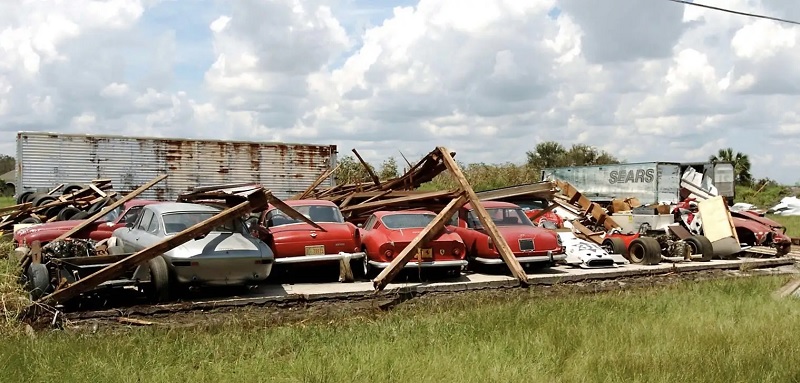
62	226
216	242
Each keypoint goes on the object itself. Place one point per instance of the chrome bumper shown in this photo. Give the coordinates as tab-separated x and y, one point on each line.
550	257
317	258
414	264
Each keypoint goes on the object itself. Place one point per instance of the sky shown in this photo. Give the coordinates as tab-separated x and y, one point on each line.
489	79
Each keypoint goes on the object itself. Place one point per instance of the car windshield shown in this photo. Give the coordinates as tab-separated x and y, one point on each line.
112	215
316	213
177	222
508	217
405	221
532	204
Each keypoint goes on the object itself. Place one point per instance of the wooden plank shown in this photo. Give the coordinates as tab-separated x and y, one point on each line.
372	174
22	206
543	212
428	233
387	202
113	206
98	191
316	183
255	201
55	189
586	233
483	216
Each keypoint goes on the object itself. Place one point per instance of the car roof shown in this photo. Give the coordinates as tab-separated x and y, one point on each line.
383	213
493	204
139	202
173	207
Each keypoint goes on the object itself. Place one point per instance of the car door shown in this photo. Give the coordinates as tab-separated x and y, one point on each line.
135	238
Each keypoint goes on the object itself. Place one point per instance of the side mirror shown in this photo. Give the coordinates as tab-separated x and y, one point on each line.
360	226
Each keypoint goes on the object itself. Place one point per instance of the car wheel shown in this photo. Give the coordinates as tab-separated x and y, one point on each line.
67	212
360	267
645	251
615	245
24	197
79	216
71	188
38	280
43	199
31	219
700	245
159	280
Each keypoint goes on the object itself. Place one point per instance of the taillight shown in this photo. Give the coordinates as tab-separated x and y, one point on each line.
491	244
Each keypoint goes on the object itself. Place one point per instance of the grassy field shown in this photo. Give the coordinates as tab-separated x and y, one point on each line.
792	224
716	331
6	201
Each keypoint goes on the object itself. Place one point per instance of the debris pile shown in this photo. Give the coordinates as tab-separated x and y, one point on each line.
64	202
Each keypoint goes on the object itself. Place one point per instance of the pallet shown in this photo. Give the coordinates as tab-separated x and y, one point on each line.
765	251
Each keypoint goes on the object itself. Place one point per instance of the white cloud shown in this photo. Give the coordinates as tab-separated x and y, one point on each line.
489	79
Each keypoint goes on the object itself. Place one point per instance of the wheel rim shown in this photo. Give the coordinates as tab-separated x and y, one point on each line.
637	253
693	248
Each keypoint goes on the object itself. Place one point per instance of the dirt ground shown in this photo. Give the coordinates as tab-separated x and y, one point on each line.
302	313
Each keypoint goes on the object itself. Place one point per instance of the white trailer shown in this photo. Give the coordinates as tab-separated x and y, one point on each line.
45	160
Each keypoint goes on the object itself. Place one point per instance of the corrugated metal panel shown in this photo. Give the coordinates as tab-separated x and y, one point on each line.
47	159
648	181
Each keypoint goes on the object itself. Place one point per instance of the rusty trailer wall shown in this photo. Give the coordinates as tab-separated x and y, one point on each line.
48	159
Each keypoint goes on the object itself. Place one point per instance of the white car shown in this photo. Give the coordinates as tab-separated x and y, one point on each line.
588	255
228	255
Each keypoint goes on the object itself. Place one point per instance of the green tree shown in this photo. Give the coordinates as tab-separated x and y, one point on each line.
7	163
350	171
547	154
550	154
740	161
388	169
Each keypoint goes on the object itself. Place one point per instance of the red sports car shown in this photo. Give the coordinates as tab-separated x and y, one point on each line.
297	242
531	245
97	230
386	233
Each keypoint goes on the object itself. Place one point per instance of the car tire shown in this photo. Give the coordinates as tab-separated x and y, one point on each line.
700	245
644	251
31	219
23	197
71	188
159	280
43	199
38	280
99	205
615	245
67	212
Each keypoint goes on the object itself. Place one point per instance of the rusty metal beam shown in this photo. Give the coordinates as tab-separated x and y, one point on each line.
254	201
483	216
428	233
108	208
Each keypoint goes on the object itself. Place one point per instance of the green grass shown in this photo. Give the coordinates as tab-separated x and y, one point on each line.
716	331
7	201
792	224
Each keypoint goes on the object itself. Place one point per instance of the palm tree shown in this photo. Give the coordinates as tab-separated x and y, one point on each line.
740	161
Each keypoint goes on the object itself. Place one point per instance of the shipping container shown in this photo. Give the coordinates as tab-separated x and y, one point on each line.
45	160
649	182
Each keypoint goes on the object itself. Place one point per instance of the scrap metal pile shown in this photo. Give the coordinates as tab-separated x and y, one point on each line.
64	202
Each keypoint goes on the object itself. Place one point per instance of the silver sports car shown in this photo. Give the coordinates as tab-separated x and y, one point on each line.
228	255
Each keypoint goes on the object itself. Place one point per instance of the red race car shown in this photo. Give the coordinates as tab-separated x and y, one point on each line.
386	233
97	230
531	245
297	242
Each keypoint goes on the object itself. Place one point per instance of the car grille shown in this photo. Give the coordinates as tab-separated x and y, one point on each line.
526	245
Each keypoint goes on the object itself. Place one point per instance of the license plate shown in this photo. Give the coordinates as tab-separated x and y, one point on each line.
424	253
315	250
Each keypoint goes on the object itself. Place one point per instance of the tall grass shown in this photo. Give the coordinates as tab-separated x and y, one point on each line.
13	299
7	201
792	224
717	331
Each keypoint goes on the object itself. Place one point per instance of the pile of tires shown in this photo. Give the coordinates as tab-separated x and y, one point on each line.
63	212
